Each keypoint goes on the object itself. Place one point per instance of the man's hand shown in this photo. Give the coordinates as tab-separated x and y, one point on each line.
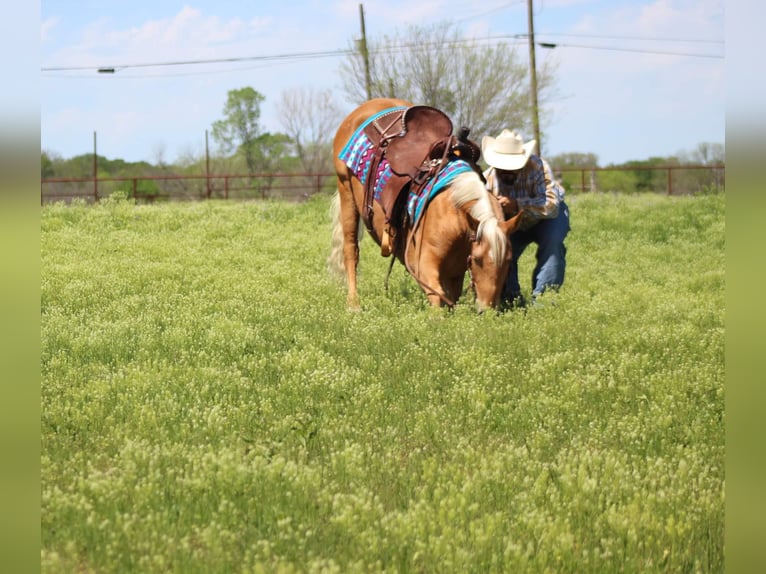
510	205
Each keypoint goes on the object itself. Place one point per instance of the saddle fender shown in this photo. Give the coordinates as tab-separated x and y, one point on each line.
422	128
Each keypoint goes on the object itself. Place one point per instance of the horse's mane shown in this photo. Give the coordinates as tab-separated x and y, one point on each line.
468	187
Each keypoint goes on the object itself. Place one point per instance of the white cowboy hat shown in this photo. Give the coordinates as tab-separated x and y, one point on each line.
507	151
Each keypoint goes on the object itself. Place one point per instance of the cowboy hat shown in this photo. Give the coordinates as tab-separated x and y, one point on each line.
507	151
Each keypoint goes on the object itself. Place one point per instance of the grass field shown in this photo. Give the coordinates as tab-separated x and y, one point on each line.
209	405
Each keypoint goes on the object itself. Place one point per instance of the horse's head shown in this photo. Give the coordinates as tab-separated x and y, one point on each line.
489	260
490	251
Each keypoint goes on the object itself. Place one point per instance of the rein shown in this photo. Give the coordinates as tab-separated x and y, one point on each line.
423	285
474	239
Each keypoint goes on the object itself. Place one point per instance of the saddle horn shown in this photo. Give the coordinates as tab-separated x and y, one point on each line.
464	148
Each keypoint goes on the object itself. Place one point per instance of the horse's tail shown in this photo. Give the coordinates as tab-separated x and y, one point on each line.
335	260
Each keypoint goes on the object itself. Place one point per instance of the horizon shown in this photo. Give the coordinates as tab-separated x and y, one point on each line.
636	79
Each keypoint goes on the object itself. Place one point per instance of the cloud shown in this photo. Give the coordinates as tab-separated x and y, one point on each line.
46	26
673	18
189	34
670	19
640	103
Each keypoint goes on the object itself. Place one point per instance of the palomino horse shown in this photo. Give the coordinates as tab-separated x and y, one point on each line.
460	229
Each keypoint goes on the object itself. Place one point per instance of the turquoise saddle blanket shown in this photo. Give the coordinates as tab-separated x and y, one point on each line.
358	152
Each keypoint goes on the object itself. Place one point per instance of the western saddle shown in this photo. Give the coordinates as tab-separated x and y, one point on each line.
417	142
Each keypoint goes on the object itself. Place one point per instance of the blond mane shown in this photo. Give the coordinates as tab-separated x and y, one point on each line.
468	187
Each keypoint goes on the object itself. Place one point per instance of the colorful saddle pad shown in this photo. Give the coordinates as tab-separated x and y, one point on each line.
358	152
416	203
357	155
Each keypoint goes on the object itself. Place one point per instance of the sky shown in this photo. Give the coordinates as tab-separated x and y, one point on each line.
634	78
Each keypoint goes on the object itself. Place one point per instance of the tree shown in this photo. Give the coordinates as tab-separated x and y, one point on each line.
47	164
270	151
573	159
701	181
708	153
648	179
575	180
310	119
240	127
483	87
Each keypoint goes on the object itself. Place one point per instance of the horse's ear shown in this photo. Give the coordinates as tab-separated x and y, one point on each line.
512	224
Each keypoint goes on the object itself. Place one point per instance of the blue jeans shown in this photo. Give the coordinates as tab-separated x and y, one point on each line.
549	236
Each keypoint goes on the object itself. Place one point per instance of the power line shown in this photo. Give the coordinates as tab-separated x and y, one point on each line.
344	52
641	51
639	38
299	55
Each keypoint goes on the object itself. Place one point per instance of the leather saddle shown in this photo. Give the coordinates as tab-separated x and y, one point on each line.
425	136
417	142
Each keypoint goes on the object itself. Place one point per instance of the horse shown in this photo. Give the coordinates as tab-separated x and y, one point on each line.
460	229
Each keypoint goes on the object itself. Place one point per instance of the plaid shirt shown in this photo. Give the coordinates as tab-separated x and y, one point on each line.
535	190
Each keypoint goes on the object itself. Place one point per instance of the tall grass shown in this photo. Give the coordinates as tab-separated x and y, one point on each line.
209	405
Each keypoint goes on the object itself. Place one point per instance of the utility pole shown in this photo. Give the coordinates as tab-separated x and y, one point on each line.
533	76
207	166
365	54
95	168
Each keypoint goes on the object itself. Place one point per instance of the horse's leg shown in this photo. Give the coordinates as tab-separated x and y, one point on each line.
429	257
349	221
453	287
426	272
437	296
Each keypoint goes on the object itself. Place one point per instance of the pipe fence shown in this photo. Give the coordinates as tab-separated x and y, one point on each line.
672	180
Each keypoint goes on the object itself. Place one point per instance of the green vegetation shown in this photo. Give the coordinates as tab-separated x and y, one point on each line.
209	405
281	173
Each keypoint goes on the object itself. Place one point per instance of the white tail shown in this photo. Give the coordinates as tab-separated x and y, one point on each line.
335	260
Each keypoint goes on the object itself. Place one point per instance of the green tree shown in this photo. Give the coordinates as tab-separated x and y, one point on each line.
47	165
270	151
240	127
648	179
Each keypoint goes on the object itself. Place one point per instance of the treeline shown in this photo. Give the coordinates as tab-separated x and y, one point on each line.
184	178
695	171
577	171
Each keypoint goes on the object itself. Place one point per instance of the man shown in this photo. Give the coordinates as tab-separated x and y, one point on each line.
524	181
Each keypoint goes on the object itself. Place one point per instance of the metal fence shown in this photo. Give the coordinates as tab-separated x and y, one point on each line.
151	188
672	180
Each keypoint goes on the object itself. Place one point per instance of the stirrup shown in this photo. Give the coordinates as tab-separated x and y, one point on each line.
386	243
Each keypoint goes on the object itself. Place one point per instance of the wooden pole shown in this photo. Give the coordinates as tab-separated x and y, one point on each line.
365	54
533	77
95	168
207	165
